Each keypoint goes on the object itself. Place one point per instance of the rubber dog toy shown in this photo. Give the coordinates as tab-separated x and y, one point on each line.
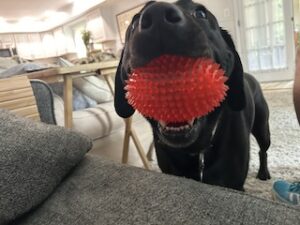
176	89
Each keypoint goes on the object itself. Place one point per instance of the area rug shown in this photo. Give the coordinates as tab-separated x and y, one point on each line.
284	152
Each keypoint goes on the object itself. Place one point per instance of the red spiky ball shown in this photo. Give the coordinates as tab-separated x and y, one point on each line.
176	88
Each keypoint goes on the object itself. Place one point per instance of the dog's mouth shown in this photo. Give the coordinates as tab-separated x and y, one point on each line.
178	134
176	127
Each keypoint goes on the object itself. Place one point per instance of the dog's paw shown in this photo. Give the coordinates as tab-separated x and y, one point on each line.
263	174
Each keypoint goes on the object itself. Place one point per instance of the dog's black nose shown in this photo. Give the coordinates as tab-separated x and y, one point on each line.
161	15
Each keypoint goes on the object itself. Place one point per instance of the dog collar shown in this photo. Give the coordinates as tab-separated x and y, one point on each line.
201	165
202	161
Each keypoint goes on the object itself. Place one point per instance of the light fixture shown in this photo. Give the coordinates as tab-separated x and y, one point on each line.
26	19
53	18
49	13
3	24
2	20
49	19
27	24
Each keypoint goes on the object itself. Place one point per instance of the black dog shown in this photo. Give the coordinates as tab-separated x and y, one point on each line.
214	148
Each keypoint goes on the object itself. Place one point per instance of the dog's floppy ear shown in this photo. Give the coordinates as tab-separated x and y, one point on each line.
122	107
235	95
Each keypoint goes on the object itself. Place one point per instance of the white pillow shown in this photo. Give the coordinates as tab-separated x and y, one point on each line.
94	87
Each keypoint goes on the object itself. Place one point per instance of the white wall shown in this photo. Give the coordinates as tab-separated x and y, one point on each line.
224	12
117	8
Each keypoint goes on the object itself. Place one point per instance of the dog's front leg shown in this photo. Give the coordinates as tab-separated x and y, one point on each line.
226	164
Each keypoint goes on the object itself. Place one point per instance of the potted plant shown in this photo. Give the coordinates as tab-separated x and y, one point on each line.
87	37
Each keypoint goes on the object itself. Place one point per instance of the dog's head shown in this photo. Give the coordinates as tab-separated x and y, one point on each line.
184	28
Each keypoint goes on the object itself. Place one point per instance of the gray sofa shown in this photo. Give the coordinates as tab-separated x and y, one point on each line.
93	110
47	177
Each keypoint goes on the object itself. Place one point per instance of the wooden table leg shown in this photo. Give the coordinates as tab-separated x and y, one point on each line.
130	133
68	101
128	122
140	149
110	83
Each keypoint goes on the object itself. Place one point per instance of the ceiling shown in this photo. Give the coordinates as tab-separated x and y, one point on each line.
40	15
12	10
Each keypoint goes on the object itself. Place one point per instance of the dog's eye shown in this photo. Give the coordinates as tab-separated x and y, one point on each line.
132	27
134	21
200	13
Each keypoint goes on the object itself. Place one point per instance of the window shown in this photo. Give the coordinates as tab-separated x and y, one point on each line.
265	35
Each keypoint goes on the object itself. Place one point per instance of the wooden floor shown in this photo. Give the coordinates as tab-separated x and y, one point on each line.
110	147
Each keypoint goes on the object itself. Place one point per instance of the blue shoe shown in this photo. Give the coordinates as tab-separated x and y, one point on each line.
287	192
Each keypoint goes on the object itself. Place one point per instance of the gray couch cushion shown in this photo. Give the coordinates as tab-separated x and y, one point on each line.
101	192
34	157
21	69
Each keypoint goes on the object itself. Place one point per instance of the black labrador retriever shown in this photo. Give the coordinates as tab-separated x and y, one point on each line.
214	148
